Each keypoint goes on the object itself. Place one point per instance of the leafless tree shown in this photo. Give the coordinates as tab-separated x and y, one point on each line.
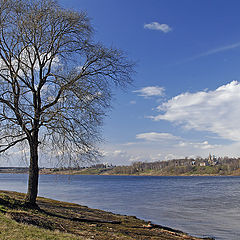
55	81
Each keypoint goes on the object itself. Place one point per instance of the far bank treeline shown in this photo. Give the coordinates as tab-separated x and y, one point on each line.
175	167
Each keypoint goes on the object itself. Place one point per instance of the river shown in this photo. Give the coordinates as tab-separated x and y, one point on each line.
201	206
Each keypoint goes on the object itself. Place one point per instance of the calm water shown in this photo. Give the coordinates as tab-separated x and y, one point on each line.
201	206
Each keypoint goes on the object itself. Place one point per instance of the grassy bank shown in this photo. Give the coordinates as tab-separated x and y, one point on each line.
61	220
173	171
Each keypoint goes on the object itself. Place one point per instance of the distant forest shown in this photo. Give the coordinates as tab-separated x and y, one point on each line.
175	167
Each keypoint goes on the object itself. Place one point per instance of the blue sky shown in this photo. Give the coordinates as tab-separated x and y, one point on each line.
186	96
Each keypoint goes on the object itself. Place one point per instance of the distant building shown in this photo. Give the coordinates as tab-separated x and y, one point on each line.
212	160
203	164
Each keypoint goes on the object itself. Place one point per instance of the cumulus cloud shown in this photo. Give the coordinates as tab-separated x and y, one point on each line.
154	136
215	111
158	26
151	91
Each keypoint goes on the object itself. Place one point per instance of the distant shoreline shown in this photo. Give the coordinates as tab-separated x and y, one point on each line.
211	166
92	171
139	175
69	172
178	167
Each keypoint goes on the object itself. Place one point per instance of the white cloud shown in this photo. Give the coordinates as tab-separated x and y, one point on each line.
157	26
118	153
155	151
199	145
153	136
215	111
211	52
171	156
217	50
151	91
135	158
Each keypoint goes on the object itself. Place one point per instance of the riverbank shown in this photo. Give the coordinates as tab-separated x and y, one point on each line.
110	172
62	220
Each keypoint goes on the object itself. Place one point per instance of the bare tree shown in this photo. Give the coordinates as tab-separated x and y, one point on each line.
55	81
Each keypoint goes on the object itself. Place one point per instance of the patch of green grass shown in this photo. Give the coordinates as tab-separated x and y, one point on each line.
11	230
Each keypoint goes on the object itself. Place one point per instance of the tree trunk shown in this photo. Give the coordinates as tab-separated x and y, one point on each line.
32	193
